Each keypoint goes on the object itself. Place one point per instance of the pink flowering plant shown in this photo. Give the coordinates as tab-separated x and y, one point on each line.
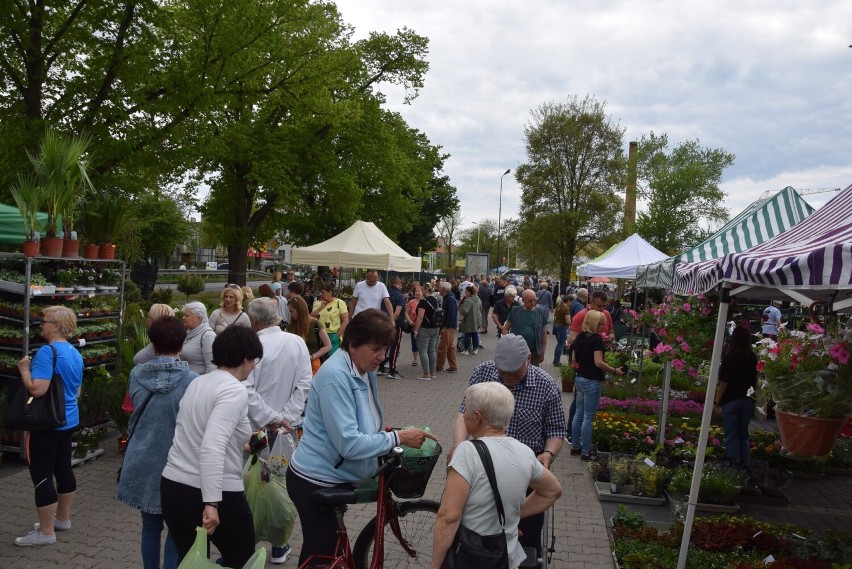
808	372
686	327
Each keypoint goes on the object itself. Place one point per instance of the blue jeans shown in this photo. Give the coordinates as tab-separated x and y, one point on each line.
588	396
152	530
736	416
471	341
561	333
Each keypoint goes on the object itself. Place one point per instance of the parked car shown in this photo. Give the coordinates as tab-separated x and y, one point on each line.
222	266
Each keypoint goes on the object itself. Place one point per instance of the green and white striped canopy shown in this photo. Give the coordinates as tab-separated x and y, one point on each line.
759	222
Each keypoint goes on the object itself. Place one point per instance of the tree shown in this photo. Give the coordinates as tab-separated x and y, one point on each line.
575	168
681	188
447	229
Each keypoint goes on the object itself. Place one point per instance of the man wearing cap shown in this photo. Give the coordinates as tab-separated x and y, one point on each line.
771	320
538	420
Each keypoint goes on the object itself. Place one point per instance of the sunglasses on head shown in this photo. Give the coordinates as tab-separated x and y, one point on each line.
234	286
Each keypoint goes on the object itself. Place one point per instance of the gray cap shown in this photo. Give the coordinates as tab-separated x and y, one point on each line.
511	353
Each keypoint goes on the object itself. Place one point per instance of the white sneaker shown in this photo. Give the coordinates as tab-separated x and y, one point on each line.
475	352
35	537
464	353
58	525
424	377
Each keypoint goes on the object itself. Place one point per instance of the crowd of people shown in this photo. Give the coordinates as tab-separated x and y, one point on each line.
284	358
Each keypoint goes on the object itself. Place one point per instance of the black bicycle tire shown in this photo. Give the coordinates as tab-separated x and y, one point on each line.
362	552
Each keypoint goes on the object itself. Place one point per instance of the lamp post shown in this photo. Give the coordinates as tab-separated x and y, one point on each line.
499	214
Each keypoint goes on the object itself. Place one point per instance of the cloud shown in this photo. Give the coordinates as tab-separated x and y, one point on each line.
765	80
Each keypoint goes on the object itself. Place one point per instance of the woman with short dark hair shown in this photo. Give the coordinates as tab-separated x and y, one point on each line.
737	375
202	481
343	428
156	388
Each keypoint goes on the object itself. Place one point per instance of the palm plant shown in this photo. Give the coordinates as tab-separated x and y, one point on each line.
61	172
29	198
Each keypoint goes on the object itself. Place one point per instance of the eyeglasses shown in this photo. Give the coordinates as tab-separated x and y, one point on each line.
233	286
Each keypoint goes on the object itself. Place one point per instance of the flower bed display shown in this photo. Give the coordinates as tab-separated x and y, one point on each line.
633	434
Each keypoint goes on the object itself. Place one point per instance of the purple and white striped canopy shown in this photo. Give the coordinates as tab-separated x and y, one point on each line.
815	255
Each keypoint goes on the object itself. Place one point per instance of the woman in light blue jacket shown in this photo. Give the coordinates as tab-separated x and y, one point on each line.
343	429
156	388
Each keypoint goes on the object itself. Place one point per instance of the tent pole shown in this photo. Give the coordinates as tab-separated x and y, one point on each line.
701	452
664	405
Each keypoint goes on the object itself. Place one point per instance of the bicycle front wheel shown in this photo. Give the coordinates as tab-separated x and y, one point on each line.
416	523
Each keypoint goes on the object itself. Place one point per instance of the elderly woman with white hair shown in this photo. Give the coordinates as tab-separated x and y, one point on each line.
156	311
468	499
198	346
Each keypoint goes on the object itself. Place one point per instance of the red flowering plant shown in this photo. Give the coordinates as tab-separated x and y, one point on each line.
808	372
686	327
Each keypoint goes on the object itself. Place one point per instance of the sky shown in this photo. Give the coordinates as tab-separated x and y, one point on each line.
767	80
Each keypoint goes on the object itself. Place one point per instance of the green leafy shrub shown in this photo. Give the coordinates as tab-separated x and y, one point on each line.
628	518
162	295
190	283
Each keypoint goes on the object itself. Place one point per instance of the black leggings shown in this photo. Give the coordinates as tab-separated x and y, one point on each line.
183	508
321	537
50	455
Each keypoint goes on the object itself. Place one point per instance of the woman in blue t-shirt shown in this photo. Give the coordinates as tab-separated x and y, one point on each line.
591	368
50	451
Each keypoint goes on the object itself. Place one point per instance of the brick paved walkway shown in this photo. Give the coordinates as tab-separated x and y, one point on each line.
106	533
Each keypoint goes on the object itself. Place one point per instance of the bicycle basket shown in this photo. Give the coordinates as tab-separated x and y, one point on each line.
410	479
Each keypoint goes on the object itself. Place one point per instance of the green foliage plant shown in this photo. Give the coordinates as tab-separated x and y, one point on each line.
626	517
29	197
190	283
162	295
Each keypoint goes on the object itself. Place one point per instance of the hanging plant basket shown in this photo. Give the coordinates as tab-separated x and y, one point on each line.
808	436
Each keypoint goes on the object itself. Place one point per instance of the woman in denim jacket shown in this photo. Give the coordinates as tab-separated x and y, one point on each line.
156	388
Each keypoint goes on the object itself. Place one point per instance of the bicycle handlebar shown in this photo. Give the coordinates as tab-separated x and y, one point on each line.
392	460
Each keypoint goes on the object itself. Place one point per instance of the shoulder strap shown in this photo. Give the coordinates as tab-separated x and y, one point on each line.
134	420
485	456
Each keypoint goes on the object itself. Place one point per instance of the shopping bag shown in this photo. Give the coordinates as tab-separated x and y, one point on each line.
197	556
282	451
273	512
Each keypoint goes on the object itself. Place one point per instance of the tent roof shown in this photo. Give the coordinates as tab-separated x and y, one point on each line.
621	262
12	225
761	220
362	246
811	261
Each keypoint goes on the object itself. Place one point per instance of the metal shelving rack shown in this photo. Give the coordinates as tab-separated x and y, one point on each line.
17	290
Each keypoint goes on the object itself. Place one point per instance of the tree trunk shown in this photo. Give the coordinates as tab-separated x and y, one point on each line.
237	264
144	274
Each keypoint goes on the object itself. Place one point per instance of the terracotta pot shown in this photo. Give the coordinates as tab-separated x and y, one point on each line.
70	248
568	386
807	436
51	246
30	248
107	251
91	250
847	428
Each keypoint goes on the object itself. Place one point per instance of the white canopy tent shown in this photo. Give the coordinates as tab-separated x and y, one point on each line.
812	262
622	261
361	246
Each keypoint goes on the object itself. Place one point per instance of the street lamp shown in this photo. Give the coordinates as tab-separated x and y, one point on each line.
499	214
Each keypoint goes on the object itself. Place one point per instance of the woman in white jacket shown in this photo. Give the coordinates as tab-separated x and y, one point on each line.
203	481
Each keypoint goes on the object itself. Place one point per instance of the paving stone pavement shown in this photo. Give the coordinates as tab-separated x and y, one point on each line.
106	533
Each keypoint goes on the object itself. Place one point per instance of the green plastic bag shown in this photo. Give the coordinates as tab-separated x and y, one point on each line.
197	556
271	507
427	449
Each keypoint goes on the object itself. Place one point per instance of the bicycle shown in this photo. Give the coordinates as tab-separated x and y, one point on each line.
411	522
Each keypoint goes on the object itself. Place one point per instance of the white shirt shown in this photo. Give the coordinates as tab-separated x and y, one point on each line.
280	381
211	429
369	296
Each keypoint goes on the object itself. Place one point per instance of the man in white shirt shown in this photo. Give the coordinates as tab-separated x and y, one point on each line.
370	293
278	386
771	320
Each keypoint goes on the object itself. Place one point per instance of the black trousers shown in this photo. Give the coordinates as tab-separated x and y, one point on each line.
531	528
183	507
49	456
319	523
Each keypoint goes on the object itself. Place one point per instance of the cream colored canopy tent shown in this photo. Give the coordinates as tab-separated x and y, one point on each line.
361	246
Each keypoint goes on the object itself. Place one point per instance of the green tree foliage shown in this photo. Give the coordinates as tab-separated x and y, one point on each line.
681	187
484	234
570	182
190	283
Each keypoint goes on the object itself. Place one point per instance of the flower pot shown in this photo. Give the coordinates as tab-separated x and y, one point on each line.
30	248
51	246
847	428
807	436
122	443
568	386
107	251
70	248
91	250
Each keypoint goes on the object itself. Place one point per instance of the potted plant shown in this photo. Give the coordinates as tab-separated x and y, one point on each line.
89	222
29	198
66	278
567	373
110	212
719	487
808	375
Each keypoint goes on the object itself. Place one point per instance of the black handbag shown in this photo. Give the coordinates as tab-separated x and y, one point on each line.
471	550
25	412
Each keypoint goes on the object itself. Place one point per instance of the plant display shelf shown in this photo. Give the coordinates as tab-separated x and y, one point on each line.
605	494
90	455
702	507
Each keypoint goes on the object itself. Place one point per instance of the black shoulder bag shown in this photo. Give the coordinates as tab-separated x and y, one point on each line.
471	550
25	412
137	415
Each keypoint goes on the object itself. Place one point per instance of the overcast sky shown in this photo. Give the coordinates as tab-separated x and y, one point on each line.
769	81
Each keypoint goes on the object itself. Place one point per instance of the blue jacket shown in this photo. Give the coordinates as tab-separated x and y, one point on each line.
451	311
340	442
146	454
